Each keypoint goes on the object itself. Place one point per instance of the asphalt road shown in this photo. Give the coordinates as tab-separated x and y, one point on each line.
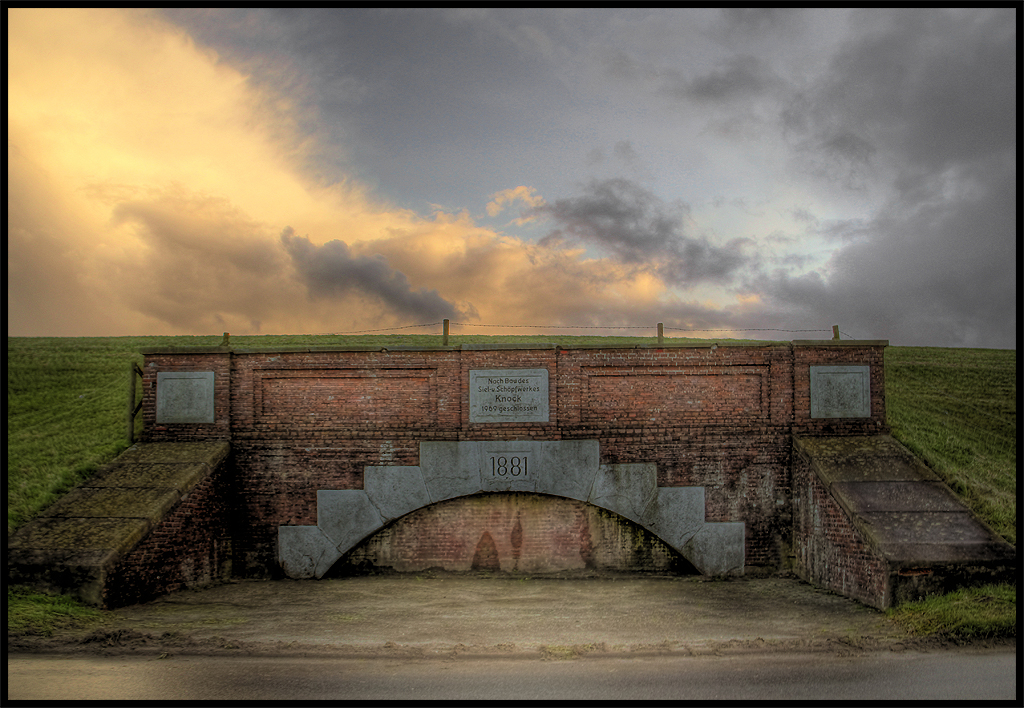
940	675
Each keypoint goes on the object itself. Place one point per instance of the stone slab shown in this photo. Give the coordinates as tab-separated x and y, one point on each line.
395	491
184	397
449	470
718	548
940	527
675	515
840	391
626	489
212	452
145	503
564	468
508	396
346	516
71	535
865	497
874	458
305	552
181	477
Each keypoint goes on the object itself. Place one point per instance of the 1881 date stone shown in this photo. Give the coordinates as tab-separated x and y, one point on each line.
508	396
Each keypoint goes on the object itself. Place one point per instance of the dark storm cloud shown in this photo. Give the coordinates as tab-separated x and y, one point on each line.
332	270
932	124
638	227
740	77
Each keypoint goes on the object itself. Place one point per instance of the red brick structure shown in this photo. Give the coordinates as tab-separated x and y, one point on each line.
720	417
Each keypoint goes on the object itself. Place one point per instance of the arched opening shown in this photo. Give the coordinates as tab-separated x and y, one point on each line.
512	532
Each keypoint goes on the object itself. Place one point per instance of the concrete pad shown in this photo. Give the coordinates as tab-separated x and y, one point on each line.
395	491
675	515
179	476
144	503
865	497
448	471
346	516
717	549
626	489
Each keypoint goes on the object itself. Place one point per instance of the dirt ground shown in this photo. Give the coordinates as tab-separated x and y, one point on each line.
436	614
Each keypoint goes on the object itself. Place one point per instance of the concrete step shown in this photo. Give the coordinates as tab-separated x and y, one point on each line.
79	545
906	515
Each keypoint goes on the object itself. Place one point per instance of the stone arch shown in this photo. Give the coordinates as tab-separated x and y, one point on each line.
567	468
511	532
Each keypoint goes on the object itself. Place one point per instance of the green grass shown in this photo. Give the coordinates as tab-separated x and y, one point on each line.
66	400
969	613
956	409
38	614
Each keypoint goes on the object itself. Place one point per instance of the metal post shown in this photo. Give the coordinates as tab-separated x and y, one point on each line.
661	333
444	338
131	404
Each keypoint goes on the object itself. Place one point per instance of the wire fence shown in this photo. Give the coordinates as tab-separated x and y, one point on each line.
609	328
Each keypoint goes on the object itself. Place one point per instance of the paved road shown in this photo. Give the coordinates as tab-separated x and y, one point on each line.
941	675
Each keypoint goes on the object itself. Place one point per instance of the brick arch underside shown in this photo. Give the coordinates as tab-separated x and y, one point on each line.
570	469
512	532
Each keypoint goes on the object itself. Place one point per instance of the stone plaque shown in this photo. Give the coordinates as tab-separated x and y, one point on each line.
184	397
508	396
840	392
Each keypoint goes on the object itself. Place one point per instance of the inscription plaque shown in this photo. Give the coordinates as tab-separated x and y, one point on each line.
840	392
184	397
508	396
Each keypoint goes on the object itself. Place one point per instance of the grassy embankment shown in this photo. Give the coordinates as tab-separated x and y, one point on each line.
955	408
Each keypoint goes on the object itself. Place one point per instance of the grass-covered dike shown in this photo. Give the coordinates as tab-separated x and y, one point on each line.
954	408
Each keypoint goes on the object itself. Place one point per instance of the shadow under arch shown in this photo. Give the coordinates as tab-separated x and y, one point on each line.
515	533
564	468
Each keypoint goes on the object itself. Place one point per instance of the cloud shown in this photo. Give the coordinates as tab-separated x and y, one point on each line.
639	228
741	77
501	200
331	270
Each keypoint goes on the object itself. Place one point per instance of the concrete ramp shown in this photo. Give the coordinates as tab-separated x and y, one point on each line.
145	524
873	522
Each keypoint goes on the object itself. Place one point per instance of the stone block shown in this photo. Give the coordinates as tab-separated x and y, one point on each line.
346	516
449	470
627	489
675	514
395	491
305	552
717	549
184	397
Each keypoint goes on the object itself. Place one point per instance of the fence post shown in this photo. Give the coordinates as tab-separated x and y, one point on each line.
444	336
835	332
131	404
661	333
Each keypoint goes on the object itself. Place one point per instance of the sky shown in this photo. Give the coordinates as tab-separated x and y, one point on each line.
733	173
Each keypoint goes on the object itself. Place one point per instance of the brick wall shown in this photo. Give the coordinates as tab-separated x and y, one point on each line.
514	532
828	550
191	547
312	418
